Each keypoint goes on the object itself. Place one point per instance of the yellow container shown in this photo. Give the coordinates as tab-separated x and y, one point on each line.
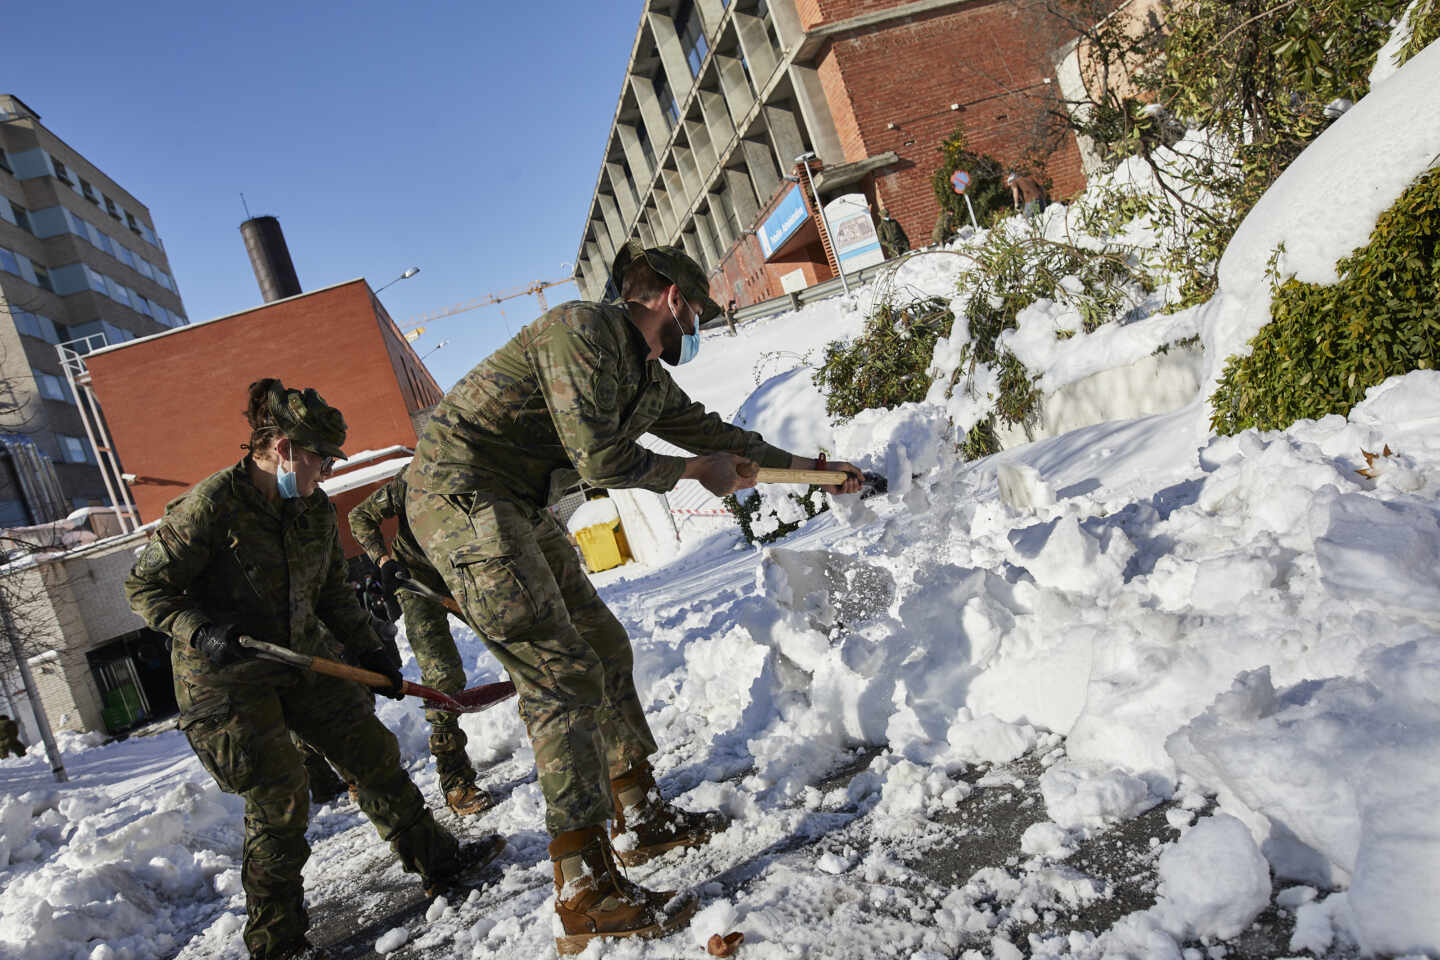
602	545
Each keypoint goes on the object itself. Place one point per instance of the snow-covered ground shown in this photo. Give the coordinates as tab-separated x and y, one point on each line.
1245	630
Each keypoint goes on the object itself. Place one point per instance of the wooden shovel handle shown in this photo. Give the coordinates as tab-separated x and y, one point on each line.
824	478
331	668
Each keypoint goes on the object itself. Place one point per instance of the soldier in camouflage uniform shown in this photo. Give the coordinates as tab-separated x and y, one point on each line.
427	627
572	393
254	550
893	241
10	745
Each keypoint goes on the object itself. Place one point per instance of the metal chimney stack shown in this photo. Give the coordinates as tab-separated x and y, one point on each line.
270	258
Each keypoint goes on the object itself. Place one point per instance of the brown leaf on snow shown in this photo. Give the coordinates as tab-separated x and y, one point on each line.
725	946
1369	471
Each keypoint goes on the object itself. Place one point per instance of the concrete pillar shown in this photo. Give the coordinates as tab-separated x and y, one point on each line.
602	237
624	191
591	280
787	24
755	44
692	247
672	55
704	151
784	134
711	12
611	213
635	155
717	121
668	224
720	220
657	125
738	95
598	264
680	184
815	109
760	161
741	194
647	235
703	231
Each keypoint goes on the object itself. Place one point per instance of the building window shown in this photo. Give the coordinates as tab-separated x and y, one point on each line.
692	36
22	217
111	209
52	387
74	449
42	277
8	263
61	173
34	325
88	191
130	221
5	164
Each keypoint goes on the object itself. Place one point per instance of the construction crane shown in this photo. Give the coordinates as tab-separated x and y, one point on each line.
417	325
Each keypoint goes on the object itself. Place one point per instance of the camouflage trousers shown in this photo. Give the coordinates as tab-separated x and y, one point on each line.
11	748
521	586
241	733
427	626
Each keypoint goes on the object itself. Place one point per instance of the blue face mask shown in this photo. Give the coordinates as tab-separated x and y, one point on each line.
286	483
689	342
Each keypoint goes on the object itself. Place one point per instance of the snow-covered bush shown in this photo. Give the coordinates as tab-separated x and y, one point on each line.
1326	344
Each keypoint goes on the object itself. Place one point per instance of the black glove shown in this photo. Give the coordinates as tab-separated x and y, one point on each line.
392	575
379	661
382	606
220	642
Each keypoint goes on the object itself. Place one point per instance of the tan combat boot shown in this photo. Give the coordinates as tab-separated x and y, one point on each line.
593	899
645	826
468	800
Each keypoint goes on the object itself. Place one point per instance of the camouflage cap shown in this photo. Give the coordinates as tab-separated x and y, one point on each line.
674	265
305	417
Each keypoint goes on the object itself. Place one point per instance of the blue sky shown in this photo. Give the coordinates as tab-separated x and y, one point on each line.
462	138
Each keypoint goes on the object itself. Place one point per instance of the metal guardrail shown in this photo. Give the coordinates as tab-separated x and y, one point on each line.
794	301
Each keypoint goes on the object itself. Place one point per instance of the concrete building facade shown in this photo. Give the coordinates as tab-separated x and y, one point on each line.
79	261
721	97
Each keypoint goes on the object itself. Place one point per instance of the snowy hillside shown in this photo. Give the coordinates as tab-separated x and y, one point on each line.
1128	691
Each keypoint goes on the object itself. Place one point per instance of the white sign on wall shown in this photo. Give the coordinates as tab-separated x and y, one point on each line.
852	231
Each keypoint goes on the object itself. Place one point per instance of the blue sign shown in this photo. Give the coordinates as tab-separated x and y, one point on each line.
787	217
960	180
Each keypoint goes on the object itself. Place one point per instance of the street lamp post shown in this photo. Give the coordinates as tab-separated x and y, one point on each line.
404	276
804	160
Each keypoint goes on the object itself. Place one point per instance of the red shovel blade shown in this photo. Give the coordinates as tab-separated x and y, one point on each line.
473	700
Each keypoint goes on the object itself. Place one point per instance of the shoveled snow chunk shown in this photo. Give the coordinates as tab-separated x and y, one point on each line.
1214	882
392	940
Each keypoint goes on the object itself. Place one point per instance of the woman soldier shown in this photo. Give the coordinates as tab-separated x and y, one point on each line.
254	551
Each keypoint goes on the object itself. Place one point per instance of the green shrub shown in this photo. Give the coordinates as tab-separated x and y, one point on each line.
754	509
1326	345
886	365
987	191
1424	29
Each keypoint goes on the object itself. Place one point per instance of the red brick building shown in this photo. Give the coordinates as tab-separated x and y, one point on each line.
175	402
720	100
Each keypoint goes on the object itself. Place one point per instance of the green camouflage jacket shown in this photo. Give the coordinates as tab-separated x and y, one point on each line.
224	553
571	391
365	519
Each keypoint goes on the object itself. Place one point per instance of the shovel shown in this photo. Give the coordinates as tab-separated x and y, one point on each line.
873	482
473	700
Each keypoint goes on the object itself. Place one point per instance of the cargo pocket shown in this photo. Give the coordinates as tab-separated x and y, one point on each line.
221	742
502	571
